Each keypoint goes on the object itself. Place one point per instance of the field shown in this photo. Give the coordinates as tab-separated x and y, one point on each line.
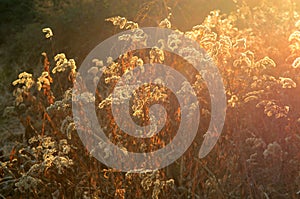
235	118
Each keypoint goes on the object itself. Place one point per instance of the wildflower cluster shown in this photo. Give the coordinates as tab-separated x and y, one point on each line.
257	155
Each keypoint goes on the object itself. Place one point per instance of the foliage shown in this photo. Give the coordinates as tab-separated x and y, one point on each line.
256	157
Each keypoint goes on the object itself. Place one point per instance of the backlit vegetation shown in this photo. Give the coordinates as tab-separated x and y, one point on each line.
257	51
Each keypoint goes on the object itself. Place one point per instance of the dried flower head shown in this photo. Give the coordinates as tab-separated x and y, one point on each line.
266	62
43	80
272	109
165	23
122	22
48	32
295	36
233	101
296	63
24	79
62	63
156	55
273	150
287	82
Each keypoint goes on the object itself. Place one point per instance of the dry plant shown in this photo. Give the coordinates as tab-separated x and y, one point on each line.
257	50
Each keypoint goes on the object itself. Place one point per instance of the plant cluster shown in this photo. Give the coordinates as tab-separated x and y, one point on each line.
257	51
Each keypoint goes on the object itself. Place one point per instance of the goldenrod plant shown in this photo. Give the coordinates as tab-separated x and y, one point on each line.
256	48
